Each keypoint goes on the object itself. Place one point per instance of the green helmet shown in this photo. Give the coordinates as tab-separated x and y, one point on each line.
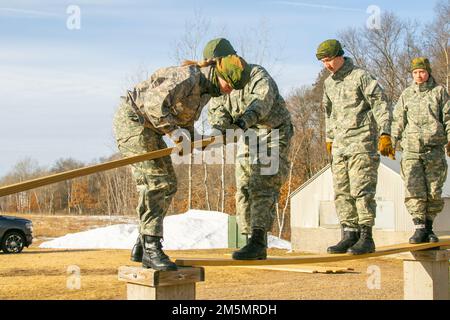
329	49
421	63
217	48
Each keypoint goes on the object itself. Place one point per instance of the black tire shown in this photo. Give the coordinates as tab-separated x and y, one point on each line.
13	242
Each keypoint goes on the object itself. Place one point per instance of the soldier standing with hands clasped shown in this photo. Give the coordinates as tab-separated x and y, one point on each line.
357	118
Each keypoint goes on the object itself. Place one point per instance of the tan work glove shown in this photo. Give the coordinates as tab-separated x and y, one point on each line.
329	147
385	146
448	149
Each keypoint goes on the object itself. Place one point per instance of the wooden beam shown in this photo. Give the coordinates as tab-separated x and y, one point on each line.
301	268
43	181
312	259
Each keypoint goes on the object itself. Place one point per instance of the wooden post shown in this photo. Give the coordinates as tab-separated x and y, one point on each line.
149	284
426	275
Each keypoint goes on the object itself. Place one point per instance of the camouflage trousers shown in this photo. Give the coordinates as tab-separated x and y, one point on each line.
156	180
355	182
424	175
257	192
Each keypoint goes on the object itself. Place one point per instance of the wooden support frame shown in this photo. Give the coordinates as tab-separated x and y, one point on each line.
426	275
149	284
426	272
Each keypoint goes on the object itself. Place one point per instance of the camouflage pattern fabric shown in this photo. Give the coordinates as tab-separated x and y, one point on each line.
234	70
263	109
355	183
172	97
422	117
420	63
424	175
259	104
156	180
356	114
356	110
257	193
422	126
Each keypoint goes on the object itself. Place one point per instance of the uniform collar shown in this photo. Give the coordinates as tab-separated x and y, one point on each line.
346	68
426	86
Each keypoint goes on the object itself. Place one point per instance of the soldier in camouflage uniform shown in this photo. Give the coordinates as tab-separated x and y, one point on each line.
356	113
171	98
422	125
258	108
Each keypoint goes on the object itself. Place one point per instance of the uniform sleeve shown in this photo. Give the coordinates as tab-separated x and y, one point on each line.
261	97
326	104
374	95
399	120
218	114
446	113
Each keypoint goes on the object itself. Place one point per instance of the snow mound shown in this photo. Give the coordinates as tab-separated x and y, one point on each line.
195	229
118	236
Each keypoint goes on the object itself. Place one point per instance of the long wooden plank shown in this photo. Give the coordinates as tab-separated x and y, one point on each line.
43	181
382	251
304	268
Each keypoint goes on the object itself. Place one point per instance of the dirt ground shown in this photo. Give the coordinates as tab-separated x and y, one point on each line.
43	273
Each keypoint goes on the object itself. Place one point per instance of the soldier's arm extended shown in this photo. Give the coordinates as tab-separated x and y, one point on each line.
374	95
218	115
262	98
326	104
446	112
398	121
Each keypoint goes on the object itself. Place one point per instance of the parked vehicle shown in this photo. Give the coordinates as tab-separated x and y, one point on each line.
15	233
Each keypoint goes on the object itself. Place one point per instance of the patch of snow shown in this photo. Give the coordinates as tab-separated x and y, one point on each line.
195	229
119	236
275	242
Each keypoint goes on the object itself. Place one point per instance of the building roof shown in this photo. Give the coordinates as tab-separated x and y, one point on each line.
394	165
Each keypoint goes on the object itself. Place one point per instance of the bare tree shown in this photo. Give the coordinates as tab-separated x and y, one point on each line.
385	51
307	152
256	45
436	39
196	30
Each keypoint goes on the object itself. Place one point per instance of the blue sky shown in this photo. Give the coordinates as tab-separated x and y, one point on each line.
60	87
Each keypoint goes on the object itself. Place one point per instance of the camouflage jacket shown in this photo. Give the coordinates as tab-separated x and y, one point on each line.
173	97
422	117
259	104
356	110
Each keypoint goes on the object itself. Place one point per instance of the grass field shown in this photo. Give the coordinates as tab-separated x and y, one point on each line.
43	273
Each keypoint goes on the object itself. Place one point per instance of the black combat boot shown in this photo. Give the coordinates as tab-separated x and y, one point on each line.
429	227
365	243
421	234
154	257
256	249
137	251
349	236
